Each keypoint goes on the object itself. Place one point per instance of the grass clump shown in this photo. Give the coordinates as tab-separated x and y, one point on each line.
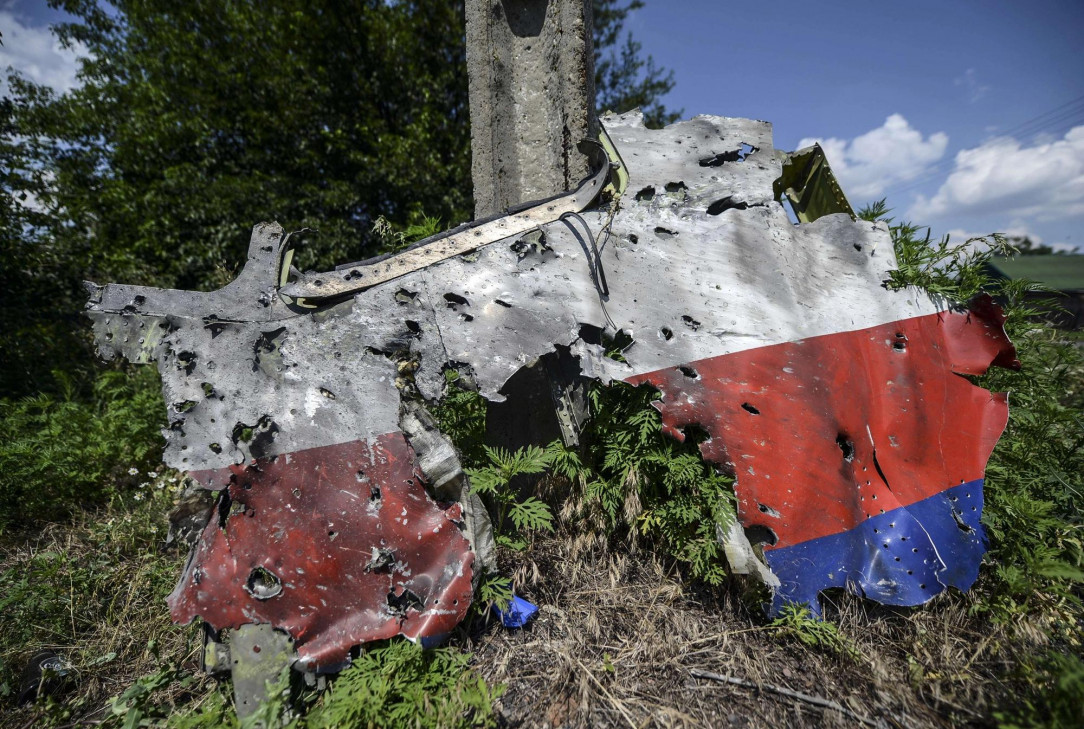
400	684
92	591
797	622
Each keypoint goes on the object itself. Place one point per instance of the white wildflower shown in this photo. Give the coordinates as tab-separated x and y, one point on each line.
133	471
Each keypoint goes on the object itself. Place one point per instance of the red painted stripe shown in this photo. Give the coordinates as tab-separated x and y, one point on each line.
312	518
827	432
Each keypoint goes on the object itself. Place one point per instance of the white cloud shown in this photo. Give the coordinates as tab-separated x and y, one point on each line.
970	81
1002	177
893	152
37	54
1016	230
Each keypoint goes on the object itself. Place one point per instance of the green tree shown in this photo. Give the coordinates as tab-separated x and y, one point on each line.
624	77
196	119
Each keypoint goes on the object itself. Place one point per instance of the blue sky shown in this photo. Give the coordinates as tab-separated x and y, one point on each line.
961	113
967	115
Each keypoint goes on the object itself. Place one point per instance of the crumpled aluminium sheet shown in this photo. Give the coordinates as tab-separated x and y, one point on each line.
858	461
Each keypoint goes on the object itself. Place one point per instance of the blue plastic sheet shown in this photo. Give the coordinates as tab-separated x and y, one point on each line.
517	614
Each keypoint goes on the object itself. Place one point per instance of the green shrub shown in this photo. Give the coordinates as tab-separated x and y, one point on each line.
637	479
61	453
400	684
1035	477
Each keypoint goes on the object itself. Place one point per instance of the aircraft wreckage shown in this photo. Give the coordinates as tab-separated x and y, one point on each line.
343	515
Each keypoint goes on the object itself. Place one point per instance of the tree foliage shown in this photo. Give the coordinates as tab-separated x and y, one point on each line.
624	77
195	120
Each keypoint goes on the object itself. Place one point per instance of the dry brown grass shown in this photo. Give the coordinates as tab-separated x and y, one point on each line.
617	636
620	630
96	596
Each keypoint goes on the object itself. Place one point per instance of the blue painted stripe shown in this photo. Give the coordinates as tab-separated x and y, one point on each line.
903	557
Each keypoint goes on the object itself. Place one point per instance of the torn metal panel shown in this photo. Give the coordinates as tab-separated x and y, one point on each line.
859	456
337	546
810	187
726	302
260	653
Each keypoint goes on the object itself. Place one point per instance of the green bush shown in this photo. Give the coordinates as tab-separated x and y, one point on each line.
62	453
1033	512
400	684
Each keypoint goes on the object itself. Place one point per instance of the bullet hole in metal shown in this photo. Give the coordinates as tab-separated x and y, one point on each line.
327	393
455	300
263	584
414	328
501	302
633	238
185	406
133	307
727	203
215	447
695	433
617	345
690	322
765	509
661	231
720	159
399	604
405	297
214	325
645	195
761	534
188	362
737	155
534	243
266	343
689	372
901	342
208	389
749	408
847	447
225	507
374	493
590	334
960	523
666	333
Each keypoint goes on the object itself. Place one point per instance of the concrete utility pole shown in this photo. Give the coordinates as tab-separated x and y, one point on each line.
532	98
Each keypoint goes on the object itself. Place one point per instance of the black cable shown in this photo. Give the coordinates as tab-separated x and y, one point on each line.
598	273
